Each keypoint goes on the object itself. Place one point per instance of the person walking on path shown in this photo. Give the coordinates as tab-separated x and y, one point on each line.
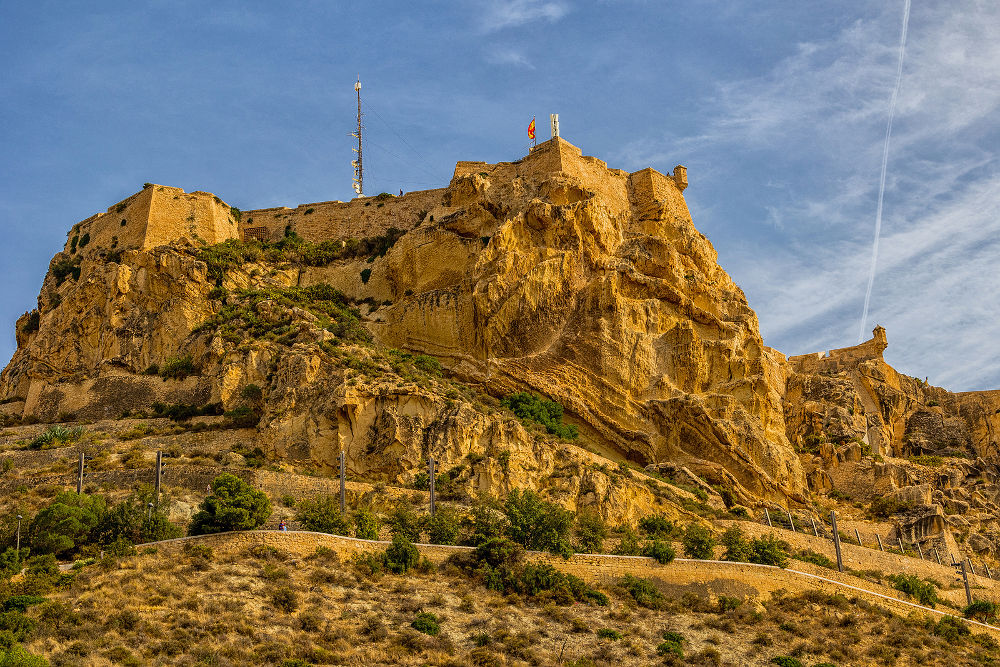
283	525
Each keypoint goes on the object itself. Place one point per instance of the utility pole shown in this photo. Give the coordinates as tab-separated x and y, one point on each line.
836	541
159	474
342	490
960	569
430	469
359	187
79	473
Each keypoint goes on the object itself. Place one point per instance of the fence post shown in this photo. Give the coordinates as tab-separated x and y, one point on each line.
79	473
159	474
836	540
790	522
815	532
988	573
965	578
879	538
342	485
430	468
858	535
920	551
937	555
901	549
972	566
767	516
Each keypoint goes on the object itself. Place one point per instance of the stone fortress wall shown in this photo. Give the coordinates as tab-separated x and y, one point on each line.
841	359
159	214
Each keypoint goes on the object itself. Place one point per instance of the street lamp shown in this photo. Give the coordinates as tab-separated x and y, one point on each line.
149	511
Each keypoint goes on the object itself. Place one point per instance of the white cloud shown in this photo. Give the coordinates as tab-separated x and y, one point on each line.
936	289
503	56
501	14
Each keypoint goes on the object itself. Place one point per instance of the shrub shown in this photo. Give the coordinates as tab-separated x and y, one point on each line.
662	551
737	547
57	436
366	524
922	591
18	656
608	633
768	550
443	527
591	531
232	505
66	268
404	521
322	514
177	368
698	542
886	506
427	623
132	522
786	661
537	524
252	392
400	556
671	645
643	591
285	599
528	406
810	556
68	523
656	526
980	610
84	240
32	323
427	364
243	416
365	275
952	629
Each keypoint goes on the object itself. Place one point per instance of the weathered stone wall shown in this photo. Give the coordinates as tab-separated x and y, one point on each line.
844	358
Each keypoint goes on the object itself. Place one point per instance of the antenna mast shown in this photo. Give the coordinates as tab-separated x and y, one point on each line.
358	170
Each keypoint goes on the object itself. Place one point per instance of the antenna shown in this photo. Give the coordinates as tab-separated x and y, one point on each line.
358	170
554	122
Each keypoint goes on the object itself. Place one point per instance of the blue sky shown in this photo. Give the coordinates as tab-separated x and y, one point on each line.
778	109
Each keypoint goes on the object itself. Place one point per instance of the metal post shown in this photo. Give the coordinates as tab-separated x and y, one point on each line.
965	578
767	515
937	555
149	511
19	517
952	556
988	573
342	485
790	522
815	532
972	566
920	551
430	468
79	474
879	538
159	473
857	535
901	549
836	540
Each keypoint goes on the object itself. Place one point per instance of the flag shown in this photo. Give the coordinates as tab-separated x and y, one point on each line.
531	129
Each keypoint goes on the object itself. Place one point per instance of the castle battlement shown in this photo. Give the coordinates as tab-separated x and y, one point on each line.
160	214
843	358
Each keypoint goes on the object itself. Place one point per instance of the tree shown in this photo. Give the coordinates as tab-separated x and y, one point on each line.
442	528
366	524
549	414
698	542
401	555
232	505
591	531
322	514
537	524
66	524
488	521
737	547
132	522
404	521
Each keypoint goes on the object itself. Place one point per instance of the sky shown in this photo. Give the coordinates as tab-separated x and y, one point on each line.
777	108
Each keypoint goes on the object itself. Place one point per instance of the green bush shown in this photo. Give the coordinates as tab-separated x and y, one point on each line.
443	527
886	506
232	505
132	521
366	524
400	556
768	550
84	240
810	556
57	436
737	547
32	323
365	275
285	599
322	514
952	629
980	610
656	526
18	656
662	551
698	542
531	407
922	591
786	661
65	268
177	368
608	633
404	521
591	531
671	645
427	623
68	523
537	524
643	591
427	364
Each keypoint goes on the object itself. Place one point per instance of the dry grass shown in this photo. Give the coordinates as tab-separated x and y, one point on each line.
267	607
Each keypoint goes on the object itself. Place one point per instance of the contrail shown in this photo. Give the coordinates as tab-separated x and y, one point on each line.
885	161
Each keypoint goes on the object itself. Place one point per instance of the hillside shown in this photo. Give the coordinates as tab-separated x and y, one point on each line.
549	325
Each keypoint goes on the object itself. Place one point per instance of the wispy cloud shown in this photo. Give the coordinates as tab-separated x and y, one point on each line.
501	14
504	56
824	108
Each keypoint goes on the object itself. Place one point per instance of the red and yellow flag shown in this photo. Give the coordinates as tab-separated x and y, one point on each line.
531	129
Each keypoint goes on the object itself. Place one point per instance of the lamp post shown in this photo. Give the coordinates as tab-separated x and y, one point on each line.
149	511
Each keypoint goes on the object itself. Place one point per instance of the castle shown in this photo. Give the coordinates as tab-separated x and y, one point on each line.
160	214
842	358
